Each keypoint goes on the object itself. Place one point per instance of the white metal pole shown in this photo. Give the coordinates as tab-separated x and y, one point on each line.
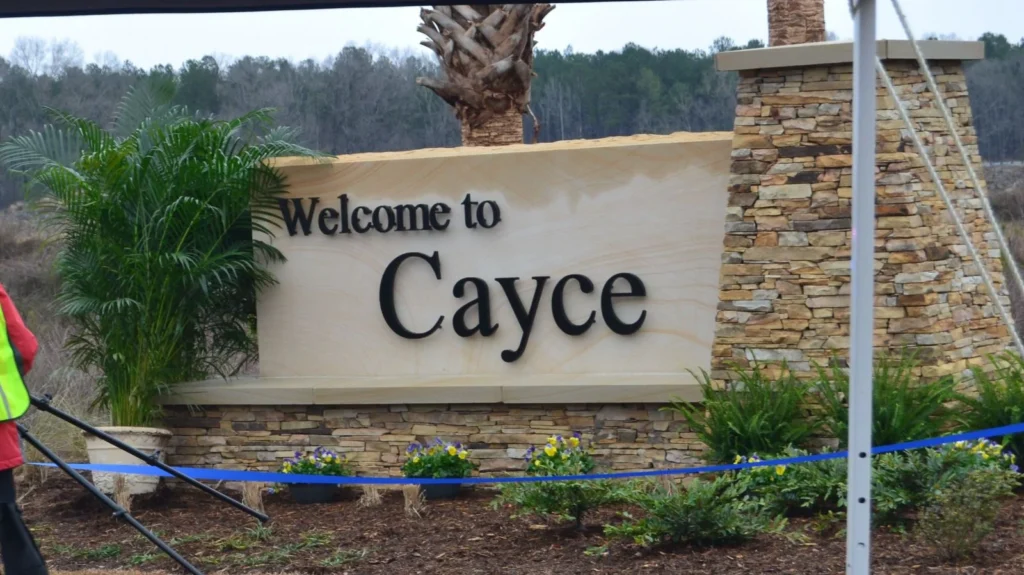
862	300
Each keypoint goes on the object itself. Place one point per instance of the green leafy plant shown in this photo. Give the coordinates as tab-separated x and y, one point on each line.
437	460
704	513
808	488
321	462
961	512
562	500
905	481
999	398
756	414
904	408
162	224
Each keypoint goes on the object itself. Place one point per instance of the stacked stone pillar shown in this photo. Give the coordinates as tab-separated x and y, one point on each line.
785	278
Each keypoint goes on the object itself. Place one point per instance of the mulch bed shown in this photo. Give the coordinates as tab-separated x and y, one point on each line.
459	536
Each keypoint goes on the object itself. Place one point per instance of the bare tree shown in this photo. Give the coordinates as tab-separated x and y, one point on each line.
30	53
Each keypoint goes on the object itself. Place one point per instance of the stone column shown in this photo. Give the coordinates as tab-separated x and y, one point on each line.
785	279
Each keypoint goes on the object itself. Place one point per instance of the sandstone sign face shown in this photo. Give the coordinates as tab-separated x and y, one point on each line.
571	272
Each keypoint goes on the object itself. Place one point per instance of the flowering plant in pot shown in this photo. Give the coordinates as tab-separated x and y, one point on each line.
320	462
159	257
438	460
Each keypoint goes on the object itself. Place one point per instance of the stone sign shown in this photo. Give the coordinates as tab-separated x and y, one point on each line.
579	271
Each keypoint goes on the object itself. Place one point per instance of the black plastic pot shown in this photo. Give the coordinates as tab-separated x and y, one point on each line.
307	493
433	491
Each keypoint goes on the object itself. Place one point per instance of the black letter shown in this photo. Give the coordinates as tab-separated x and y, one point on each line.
355	220
525	318
467	205
483	307
387	294
494	209
303	218
636	288
376	219
400	215
442	209
344	214
327	214
558	305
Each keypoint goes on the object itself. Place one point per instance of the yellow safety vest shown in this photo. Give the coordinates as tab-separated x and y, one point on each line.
14	396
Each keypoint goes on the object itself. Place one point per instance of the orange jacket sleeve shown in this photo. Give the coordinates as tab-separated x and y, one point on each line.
23	341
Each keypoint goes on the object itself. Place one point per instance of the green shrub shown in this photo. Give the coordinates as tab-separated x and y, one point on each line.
960	513
901	481
815	487
1000	398
704	513
905	481
904	409
437	460
561	500
757	414
163	224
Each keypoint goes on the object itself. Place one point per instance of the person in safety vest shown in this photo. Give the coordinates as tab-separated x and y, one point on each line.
20	553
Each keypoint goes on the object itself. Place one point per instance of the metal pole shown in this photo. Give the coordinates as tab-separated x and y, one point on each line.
862	300
44	405
119	512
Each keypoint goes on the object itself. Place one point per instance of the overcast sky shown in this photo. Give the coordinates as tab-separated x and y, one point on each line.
147	40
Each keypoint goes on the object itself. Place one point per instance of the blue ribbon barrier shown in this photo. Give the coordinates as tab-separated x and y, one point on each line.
275	477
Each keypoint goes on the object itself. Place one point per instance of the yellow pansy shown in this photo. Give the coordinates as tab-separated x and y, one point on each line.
553	440
737	460
573	441
984	456
780	469
550	450
452	450
415	459
463	454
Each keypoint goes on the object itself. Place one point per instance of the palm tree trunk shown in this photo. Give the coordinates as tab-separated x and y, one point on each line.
500	130
795	22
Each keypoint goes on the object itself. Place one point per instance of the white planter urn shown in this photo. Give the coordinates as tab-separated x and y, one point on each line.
148	440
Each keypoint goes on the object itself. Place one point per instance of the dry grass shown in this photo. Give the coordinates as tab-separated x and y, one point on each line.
26	270
415	503
372	496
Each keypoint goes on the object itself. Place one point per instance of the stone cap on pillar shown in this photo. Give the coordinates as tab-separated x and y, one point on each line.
827	53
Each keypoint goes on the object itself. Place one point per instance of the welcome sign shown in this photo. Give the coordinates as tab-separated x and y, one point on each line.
569	272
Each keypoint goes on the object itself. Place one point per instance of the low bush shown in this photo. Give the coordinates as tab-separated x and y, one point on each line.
806	488
961	512
438	460
756	414
562	500
999	398
704	513
906	481
901	481
904	409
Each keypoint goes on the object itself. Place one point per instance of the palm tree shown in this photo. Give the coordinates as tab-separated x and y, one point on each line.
486	57
795	22
158	222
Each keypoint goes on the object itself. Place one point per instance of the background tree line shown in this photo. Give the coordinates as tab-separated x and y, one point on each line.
365	98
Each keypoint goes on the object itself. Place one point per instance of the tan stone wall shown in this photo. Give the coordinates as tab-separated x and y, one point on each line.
785	281
624	437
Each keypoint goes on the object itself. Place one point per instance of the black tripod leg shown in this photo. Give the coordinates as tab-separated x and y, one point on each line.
44	405
119	512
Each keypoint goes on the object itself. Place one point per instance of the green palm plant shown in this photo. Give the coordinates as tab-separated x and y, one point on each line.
159	221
